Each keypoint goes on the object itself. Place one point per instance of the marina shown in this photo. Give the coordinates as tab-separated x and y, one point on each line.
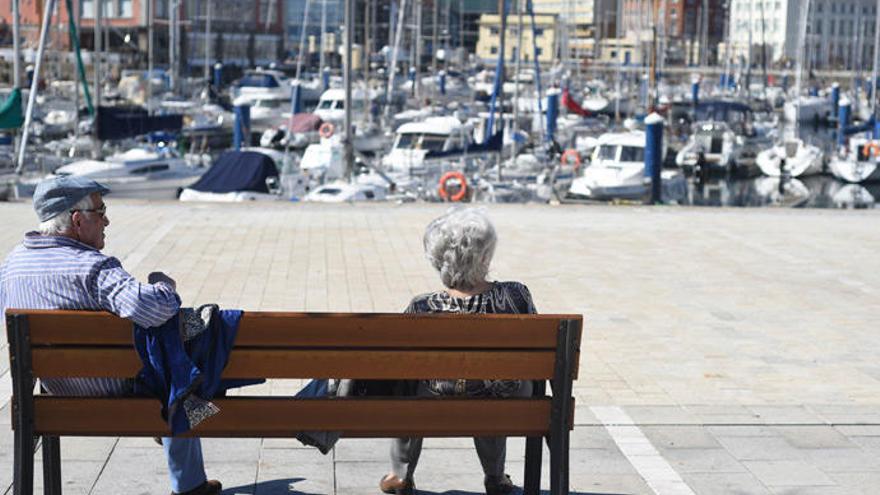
740	342
699	179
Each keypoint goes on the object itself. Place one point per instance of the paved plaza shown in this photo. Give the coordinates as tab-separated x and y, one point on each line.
726	351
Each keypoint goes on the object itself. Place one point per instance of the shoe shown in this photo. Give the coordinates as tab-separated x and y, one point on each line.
392	485
210	487
498	486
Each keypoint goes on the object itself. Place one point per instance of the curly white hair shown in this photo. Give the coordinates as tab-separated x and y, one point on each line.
460	245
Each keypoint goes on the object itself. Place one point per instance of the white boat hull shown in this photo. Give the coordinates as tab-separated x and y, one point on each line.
854	171
807	160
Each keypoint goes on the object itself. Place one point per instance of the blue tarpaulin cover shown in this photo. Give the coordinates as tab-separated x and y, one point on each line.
125	122
238	171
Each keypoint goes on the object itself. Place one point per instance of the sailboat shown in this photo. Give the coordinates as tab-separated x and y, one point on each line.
860	160
793	157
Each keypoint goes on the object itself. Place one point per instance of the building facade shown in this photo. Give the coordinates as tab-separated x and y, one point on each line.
682	26
839	34
545	37
243	33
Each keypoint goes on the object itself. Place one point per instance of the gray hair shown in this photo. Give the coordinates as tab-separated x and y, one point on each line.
460	245
62	223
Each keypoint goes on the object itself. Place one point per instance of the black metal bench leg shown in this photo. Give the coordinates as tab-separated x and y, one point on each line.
23	476
18	336
51	465
534	452
561	418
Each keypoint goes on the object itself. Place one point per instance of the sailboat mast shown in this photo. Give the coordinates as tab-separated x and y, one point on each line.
302	39
323	31
876	62
150	16
435	20
802	35
346	74
16	46
519	42
207	41
32	96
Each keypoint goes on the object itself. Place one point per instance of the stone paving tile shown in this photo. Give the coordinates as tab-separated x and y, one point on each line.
702	461
857	482
725	484
760	448
809	490
813	437
788	473
680	437
843	459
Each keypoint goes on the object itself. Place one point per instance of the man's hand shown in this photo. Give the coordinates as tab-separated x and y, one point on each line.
156	277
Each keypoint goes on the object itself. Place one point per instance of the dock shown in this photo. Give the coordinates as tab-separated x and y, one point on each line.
725	350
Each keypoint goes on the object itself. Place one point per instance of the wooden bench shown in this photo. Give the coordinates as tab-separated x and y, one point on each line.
53	344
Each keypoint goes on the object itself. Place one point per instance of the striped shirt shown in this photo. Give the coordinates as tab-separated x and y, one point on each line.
57	272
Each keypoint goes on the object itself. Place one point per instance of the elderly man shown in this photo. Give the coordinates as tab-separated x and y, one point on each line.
61	266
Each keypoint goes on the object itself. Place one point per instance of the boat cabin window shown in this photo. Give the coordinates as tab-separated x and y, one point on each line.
330	191
607	152
149	169
270	103
430	142
632	154
326	104
258	81
433	142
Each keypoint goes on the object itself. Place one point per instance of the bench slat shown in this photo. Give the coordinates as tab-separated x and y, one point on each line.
321	329
250	363
284	417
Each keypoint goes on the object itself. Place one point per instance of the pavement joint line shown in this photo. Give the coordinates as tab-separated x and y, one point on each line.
660	477
103	466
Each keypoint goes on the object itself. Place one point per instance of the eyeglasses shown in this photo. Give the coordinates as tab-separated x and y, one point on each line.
102	210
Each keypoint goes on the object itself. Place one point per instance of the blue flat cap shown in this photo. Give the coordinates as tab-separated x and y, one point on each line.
57	195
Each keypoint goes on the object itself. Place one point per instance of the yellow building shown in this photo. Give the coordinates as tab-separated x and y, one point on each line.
546	38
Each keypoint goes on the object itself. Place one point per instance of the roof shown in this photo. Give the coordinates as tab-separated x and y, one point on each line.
431	125
632	138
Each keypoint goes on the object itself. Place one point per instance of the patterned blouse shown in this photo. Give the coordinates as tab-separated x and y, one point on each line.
503	297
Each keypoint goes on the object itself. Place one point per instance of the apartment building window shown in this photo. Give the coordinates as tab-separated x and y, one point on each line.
125	9
831	27
539	51
539	32
820	8
833	8
493	31
88	9
493	50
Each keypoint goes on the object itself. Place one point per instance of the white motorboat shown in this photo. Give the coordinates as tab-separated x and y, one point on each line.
807	109
266	111
345	192
331	106
262	83
415	142
860	161
717	144
793	158
617	171
154	173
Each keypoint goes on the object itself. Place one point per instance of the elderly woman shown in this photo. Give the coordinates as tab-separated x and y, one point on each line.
460	245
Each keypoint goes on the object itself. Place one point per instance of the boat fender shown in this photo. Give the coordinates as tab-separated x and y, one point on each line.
571	153
450	176
326	130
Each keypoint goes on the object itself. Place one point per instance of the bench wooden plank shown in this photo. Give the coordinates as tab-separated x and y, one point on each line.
321	329
284	417
51	362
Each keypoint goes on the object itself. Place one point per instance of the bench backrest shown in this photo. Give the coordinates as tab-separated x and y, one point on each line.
54	344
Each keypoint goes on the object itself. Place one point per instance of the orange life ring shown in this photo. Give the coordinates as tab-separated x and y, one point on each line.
326	130
571	153
871	149
448	176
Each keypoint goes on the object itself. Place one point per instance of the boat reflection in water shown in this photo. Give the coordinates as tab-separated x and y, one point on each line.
811	192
